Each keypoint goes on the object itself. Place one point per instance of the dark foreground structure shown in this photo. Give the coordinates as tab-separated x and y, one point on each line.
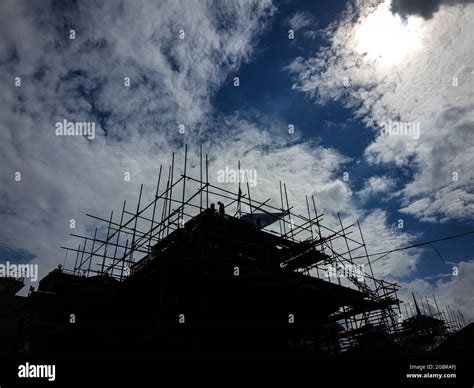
177	276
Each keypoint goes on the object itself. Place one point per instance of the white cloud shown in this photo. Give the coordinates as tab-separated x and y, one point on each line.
301	20
415	85
453	290
380	236
172	82
429	83
377	185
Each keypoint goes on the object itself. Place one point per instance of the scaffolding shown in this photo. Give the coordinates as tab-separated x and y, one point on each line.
302	244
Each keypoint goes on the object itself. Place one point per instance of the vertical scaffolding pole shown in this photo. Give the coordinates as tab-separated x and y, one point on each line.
436	304
65	257
136	220
428	304
463	319
311	227
239	205
456	319
345	238
119	230
106	242
181	221
289	215
170	194
165	205
200	179
460	319
334	260
248	192
154	207
317	222
83	250
446	320
450	314
77	256
123	260
423	305
92	252
368	259
207	183
309	218
282	209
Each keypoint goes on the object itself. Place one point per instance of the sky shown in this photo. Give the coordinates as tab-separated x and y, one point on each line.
346	75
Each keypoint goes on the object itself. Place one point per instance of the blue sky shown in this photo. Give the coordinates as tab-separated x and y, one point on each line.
399	68
266	87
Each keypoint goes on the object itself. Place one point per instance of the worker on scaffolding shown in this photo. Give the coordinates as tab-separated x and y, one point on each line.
213	209
221	208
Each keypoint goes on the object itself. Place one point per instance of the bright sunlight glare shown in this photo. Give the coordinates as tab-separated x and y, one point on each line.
387	38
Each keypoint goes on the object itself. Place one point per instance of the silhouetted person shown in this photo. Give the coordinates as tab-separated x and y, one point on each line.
221	208
213	209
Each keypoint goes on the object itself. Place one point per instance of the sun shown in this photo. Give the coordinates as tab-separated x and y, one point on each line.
386	38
